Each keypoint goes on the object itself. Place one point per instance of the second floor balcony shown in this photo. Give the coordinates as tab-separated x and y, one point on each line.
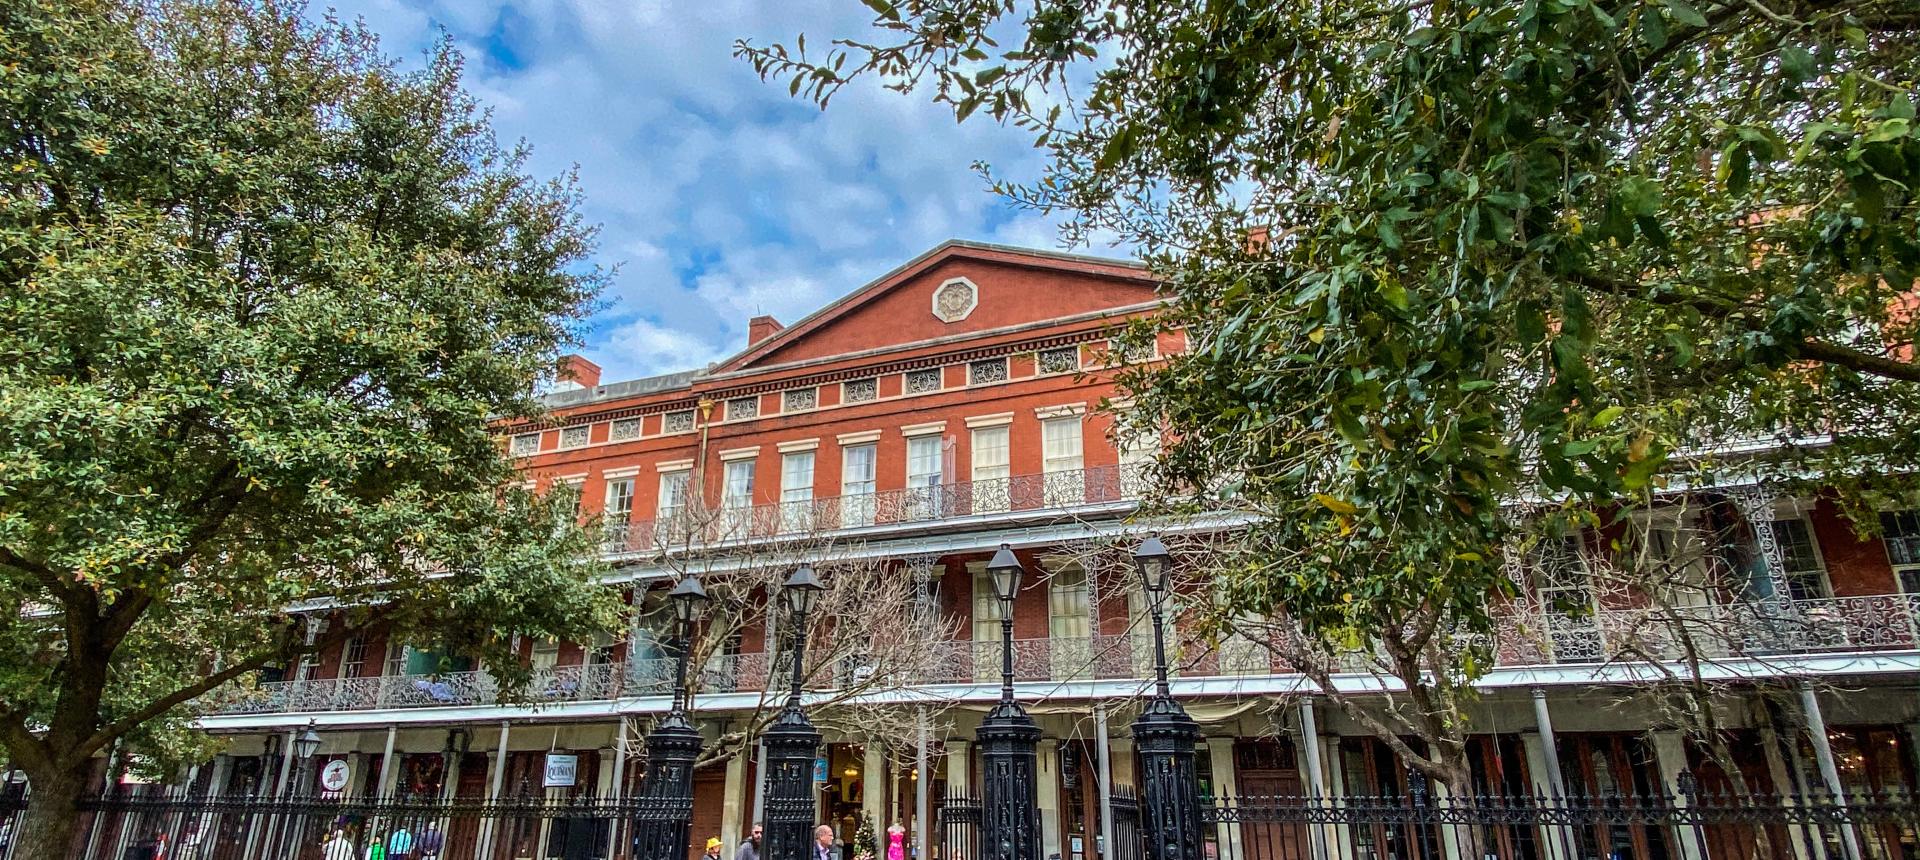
1715	632
1063	493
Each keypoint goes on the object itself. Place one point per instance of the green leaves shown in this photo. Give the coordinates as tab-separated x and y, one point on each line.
211	406
1507	249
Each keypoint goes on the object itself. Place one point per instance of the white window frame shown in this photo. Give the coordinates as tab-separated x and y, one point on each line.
796	490
986	623
926	473
545	654
671	504
1069	635
992	474
1818	575
612	508
1063	475
857	488
1906	577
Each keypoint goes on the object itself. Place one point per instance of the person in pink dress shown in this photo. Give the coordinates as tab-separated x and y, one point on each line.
896	842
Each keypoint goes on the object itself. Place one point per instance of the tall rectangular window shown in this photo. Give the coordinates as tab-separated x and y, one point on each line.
619	501
1138	449
1069	624
617	515
924	476
992	456
353	659
1060	459
857	485
673	492
1060	438
739	485
796	491
396	659
1563	583
986	626
1805	574
546	654
1902	536
671	519
736	497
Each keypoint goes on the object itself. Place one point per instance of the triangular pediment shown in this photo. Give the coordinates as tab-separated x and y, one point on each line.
954	290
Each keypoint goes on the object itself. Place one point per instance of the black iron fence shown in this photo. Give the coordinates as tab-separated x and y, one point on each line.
175	825
1882	826
153	824
959	828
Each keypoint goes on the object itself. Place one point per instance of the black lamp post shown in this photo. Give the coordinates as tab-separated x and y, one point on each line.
792	742
1010	825
1164	734
673	746
305	745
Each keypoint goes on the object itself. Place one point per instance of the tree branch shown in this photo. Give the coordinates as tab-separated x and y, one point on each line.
1861	362
38	571
1811	349
157	707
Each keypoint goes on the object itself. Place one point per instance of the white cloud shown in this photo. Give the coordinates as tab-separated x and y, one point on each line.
719	196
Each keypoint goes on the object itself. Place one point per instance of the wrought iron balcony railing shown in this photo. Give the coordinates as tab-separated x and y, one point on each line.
1716	632
695	525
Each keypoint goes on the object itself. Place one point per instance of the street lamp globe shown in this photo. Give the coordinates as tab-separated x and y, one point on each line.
689	599
1006	572
1155	565
803	590
307	743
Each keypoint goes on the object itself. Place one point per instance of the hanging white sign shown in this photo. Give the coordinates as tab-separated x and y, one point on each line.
562	770
334	776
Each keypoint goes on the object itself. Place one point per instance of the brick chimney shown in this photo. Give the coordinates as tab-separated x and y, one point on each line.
579	370
760	328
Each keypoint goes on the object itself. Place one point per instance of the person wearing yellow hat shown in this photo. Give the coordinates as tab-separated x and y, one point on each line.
713	848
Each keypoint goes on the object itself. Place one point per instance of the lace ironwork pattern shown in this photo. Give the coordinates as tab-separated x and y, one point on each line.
923	381
987	371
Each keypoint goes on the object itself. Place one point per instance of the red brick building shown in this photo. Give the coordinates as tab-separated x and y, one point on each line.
956	404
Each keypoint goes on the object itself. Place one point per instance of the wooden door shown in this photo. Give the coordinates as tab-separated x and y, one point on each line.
709	802
1267	768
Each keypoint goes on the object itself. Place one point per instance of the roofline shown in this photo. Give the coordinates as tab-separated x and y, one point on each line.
944	340
794	329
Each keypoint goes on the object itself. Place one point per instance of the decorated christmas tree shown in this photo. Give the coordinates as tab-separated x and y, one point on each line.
864	838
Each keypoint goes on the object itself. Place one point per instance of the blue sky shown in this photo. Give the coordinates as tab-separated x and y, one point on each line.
719	197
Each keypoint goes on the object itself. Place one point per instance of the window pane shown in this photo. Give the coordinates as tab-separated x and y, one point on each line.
1060	439
990	453
1902	536
796	476
923	461
673	491
856	470
1067	603
619	499
739	487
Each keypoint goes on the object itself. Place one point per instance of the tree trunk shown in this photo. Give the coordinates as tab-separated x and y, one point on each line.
1456	774
52	815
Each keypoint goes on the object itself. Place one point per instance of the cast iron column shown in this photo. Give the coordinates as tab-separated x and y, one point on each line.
791	745
1165	736
1009	802
663	829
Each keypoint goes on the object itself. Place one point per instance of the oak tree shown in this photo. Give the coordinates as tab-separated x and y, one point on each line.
1435	257
262	295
